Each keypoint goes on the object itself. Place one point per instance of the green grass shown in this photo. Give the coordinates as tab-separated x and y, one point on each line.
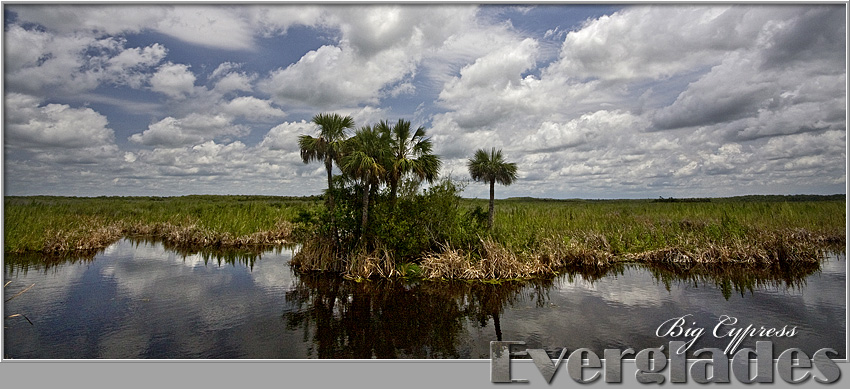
532	235
635	226
36	223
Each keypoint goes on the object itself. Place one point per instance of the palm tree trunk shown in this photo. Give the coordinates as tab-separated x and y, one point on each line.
329	167
492	204
365	215
393	192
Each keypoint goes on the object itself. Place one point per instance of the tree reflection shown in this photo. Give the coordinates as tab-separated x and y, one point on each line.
396	318
381	319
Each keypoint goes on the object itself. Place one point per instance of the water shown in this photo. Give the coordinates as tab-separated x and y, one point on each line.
139	300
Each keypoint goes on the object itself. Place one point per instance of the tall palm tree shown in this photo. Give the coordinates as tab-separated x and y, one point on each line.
410	153
492	168
366	154
326	147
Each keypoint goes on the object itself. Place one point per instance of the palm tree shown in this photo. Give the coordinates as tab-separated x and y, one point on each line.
366	154
411	153
326	147
491	168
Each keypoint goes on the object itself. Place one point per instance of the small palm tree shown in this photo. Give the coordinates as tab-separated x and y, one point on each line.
410	153
492	168
366	154
327	146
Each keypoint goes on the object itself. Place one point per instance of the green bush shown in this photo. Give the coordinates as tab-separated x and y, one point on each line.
418	223
427	222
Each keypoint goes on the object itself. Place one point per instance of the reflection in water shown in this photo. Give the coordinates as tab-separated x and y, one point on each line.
740	278
399	319
394	318
22	263
245	256
140	299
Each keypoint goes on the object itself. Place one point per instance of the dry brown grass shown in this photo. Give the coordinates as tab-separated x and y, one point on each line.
499	262
553	254
448	264
195	235
378	263
763	248
93	234
318	254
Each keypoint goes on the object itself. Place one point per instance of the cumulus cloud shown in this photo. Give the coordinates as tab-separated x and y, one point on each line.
252	108
587	129
212	26
192	129
379	50
32	125
128	66
636	60
215	26
39	62
173	80
334	76
673	100
235	81
657	42
285	136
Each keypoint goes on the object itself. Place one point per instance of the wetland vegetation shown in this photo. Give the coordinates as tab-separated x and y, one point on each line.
530	237
376	220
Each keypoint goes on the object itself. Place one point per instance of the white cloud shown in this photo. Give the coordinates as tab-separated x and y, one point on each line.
667	100
285	135
493	88
31	125
234	82
380	49
657	42
41	62
589	128
334	76
499	69
213	26
128	66
743	90
192	129
173	80
252	108
224	68
82	18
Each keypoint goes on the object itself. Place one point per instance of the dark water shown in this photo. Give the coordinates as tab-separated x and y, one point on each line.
138	300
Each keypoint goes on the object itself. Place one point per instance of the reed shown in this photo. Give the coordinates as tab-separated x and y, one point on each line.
68	224
531	238
318	255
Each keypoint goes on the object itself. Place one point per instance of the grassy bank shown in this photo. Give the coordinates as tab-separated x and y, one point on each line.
69	224
634	229
533	237
538	237
530	237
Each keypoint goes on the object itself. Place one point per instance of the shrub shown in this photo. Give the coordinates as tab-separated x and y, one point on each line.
417	224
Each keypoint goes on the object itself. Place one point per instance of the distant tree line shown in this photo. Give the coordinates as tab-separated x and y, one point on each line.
682	200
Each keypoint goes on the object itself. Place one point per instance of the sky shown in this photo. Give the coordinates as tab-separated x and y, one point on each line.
590	101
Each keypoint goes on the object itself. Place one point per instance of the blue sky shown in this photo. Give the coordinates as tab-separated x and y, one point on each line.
591	101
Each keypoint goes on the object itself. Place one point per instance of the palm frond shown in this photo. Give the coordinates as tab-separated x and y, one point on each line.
486	167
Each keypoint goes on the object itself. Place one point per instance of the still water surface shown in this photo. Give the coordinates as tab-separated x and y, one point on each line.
140	300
